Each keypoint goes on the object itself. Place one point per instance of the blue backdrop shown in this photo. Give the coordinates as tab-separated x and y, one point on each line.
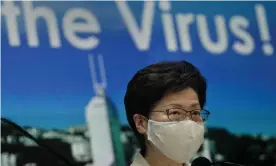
45	46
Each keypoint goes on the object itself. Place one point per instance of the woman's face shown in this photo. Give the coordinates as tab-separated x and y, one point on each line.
186	99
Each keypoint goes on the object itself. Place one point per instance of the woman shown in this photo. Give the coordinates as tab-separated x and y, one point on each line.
164	106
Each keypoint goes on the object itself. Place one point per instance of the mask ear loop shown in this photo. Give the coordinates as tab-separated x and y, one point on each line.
147	120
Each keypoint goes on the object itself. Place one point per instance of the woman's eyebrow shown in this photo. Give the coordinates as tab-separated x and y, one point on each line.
173	105
195	105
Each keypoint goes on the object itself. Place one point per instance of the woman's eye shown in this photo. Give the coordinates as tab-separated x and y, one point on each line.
175	112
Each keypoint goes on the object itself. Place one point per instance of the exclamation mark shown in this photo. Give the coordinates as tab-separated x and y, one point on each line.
264	30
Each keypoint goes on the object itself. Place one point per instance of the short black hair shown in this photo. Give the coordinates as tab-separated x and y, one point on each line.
152	83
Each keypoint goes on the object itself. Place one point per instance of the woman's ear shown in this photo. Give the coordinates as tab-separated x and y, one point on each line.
140	123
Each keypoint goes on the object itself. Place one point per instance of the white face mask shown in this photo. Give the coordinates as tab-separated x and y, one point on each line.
179	141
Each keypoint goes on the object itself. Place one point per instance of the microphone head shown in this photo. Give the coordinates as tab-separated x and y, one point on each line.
201	161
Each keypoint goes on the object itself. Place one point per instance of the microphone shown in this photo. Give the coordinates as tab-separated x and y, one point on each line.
203	161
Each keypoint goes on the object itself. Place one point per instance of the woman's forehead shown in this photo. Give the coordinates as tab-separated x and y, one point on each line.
186	98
